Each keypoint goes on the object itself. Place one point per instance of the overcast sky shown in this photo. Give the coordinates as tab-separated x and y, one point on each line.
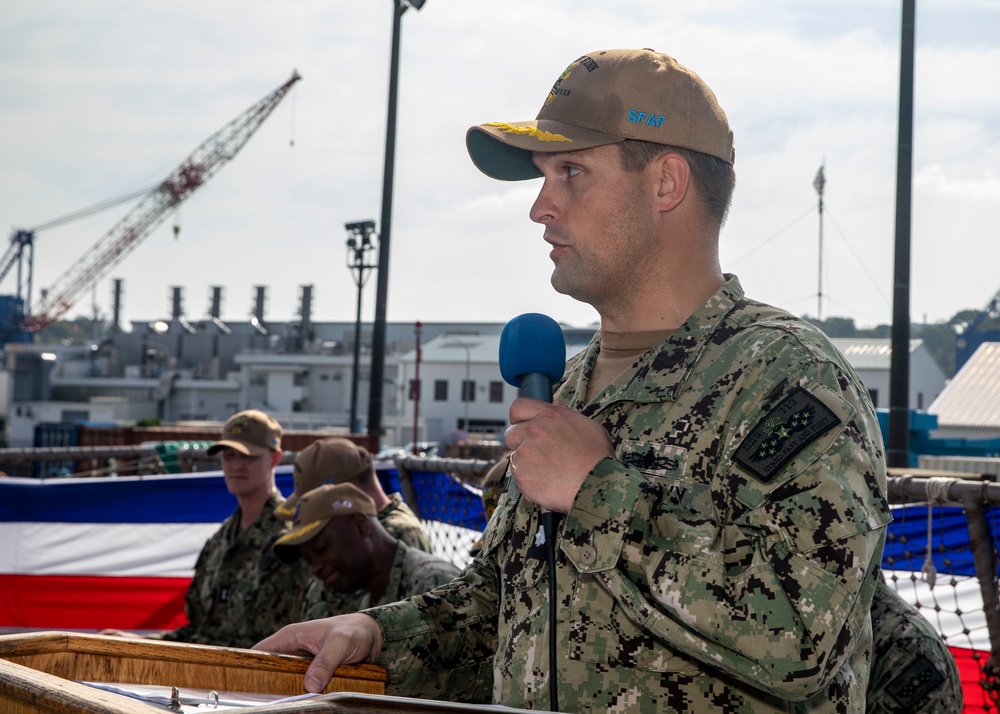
99	99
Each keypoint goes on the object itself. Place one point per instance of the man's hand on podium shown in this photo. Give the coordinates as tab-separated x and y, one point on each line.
345	639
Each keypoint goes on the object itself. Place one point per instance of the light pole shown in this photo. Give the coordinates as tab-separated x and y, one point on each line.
360	249
417	330
467	346
818	183
898	446
382	283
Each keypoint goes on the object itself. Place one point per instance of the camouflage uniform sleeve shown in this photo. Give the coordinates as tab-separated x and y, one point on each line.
766	571
440	645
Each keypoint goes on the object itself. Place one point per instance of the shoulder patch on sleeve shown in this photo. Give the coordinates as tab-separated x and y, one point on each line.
914	682
784	431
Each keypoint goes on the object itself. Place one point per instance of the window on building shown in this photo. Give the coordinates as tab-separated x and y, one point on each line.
440	390
873	393
414	390
468	390
496	391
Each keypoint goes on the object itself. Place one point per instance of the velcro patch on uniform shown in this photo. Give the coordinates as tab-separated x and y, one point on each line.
914	682
650	461
792	425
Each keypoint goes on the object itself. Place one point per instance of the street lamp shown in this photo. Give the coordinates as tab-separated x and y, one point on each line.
382	283
467	346
360	249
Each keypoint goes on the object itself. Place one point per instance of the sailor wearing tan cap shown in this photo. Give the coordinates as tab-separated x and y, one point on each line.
336	531
716	462
339	460
240	591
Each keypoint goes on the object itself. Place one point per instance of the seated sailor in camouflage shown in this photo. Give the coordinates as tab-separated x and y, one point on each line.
912	670
718	462
340	460
240	590
338	534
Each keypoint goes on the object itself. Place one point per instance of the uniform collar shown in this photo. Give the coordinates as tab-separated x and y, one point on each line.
665	367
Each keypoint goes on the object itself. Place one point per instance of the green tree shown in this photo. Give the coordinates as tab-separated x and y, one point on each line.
79	330
939	338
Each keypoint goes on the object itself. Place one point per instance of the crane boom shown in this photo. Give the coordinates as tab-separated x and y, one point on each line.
22	244
203	163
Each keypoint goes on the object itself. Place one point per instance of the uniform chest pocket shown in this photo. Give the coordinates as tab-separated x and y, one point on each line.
686	492
684	512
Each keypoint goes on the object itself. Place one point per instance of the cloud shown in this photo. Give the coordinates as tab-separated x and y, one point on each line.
101	98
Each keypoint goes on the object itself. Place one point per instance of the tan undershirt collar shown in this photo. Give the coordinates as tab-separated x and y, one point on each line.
619	352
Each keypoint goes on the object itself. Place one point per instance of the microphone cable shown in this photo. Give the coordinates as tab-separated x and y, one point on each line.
550	523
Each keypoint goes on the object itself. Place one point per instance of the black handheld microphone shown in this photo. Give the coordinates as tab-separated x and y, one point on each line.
532	354
533	358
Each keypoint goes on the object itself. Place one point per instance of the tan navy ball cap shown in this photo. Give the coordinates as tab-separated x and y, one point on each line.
251	433
315	510
604	98
326	461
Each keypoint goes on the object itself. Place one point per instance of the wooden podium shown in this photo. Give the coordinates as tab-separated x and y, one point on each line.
40	673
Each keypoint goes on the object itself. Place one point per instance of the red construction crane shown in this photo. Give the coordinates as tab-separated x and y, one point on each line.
150	212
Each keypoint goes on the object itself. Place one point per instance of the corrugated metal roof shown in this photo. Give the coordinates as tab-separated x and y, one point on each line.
869	352
972	397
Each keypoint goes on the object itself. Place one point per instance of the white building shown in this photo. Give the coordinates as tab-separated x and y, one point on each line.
460	387
871	359
187	375
969	407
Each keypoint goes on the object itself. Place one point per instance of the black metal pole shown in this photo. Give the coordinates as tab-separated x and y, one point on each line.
417	329
385	226
359	247
357	365
898	452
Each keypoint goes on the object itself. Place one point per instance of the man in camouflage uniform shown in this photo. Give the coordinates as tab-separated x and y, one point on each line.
913	672
718	462
352	556
240	590
339	460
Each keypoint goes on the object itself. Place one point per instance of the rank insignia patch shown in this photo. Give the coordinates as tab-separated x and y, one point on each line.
787	429
914	682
